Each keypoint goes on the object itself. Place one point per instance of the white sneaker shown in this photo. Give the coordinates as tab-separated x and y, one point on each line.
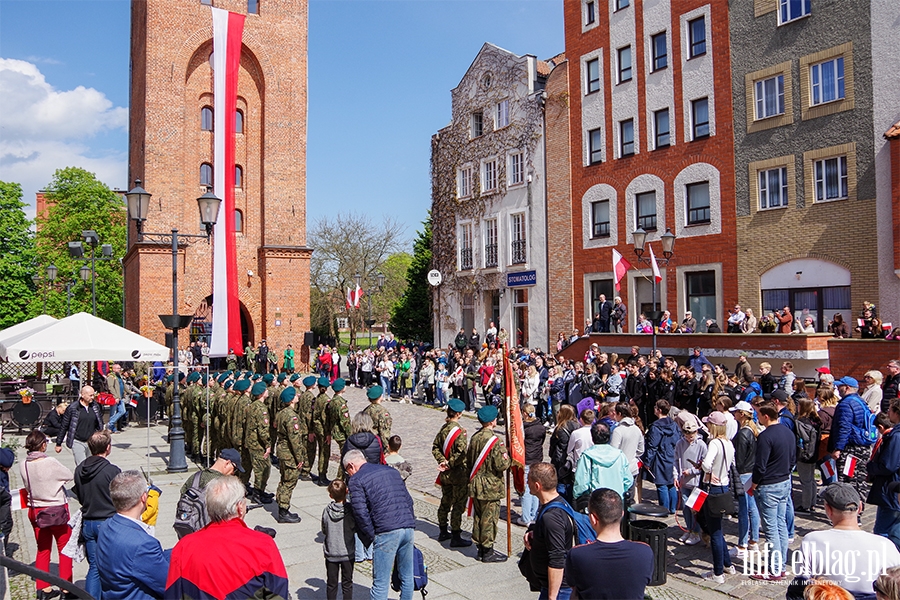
731	570
738	552
684	537
693	539
522	522
790	540
709	576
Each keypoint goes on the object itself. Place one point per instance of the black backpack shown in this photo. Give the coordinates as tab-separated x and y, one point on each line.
190	512
807	441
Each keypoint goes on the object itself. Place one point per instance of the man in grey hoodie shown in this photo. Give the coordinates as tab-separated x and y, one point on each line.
628	438
338	526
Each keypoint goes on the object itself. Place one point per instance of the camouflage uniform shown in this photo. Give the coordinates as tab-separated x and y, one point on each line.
241	405
381	418
321	423
256	442
186	397
304	408
273	406
291	434
198	418
487	487
339	416
231	361
454	488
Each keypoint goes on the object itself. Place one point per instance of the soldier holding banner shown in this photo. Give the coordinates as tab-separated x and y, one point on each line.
488	460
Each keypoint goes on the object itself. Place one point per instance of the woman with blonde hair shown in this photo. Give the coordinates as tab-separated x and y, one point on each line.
749	324
872	393
716	467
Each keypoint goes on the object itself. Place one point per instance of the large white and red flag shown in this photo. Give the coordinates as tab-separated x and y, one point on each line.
653	265
353	297
228	30
620	267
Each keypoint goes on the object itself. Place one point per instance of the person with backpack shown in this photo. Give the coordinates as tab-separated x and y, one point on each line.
809	429
190	512
853	432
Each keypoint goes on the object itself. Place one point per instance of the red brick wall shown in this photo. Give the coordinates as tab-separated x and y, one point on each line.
855	357
665	163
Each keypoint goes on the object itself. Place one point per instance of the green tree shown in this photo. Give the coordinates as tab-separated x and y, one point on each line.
78	201
411	317
16	256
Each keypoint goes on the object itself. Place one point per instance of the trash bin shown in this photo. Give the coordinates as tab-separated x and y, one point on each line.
652	533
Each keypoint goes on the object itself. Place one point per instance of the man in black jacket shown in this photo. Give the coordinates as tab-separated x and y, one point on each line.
92	479
891	386
551	536
79	422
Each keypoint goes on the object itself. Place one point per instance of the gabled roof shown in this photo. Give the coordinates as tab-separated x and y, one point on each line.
487	47
894	132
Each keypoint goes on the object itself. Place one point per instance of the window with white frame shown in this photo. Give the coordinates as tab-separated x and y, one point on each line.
831	179
489	175
661	127
590	13
595	146
827	81
490	243
477	125
502	116
700	118
465	247
645	204
519	244
620	4
697	203
624	60
592	73
790	10
516	168
626	137
660	53
464	182
600	219
697	37
769	95
773	188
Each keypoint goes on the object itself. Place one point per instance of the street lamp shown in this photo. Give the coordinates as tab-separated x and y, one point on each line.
668	249
368	293
138	200
76	251
52	271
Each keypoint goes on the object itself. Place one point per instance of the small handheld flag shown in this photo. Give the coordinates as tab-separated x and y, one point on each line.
849	466
829	469
696	499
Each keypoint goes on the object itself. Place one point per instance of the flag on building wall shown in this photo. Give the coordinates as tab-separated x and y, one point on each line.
620	267
228	30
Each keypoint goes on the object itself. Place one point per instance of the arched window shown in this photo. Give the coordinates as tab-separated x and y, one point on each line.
238	176
206	174
239	122
206	119
238	221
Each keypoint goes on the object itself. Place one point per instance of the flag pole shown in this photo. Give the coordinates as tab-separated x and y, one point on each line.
507	396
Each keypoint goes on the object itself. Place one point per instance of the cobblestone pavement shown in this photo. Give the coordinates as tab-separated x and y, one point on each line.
453	573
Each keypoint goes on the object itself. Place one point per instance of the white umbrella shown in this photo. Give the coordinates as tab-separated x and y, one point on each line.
82	337
23	329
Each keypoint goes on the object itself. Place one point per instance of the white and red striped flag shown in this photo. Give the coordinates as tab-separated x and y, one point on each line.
19	499
849	466
829	469
653	265
696	499
228	30
620	267
353	297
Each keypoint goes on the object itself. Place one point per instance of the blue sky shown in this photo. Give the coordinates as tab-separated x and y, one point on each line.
380	75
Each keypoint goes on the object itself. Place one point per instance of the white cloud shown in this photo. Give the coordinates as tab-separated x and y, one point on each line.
43	129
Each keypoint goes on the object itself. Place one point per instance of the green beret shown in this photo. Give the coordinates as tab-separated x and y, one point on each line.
227	385
268	378
375	392
288	394
309	380
169	377
204	379
180	376
488	413
323	382
456	405
194	376
221	379
282	377
338	385
258	388
256	377
241	386
294	377
248	374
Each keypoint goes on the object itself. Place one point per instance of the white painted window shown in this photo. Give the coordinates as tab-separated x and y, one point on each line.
489	175
697	37
490	243
519	243
620	4
502	114
645	203
590	13
626	137
700	118
477	125
464	182
827	81
592	72
516	168
831	179
624	58
661	127
790	10
595	146
697	203
465	247
660	52
769	97
600	219
773	188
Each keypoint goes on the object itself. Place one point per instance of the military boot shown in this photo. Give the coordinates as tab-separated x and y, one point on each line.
457	540
480	554
492	556
286	516
322	481
444	535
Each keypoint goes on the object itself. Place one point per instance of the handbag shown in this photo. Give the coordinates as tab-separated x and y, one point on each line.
719	505
51	516
106	399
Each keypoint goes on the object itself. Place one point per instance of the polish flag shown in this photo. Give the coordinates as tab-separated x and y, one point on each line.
654	265
696	499
357	295
19	499
349	299
829	468
620	267
849	466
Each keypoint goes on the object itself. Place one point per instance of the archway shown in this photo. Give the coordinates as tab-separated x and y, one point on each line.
201	326
808	285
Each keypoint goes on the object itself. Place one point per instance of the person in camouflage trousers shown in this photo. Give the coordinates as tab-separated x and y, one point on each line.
339	416
449	450
273	405
186	399
256	442
321	424
291	433
487	460
305	403
381	418
239	408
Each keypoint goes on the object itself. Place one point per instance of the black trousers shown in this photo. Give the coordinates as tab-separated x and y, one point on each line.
345	569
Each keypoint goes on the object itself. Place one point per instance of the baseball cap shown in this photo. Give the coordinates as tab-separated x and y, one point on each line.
842	496
714	418
742	405
780	395
232	456
689	426
824	370
848	381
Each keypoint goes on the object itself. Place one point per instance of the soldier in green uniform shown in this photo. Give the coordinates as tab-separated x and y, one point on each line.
381	418
339	415
321	424
186	398
231	360
256	441
487	460
223	410
449	450
304	407
273	405
291	447
249	356
239	407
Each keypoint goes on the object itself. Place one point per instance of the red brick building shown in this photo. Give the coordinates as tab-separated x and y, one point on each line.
651	145
171	151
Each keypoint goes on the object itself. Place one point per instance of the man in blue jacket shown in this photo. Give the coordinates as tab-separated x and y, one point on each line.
847	441
383	510
132	563
884	470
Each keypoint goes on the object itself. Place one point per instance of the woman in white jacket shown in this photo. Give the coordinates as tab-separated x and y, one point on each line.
529	386
716	468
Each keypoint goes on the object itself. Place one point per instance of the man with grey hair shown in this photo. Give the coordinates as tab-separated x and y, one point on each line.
131	562
205	562
890	389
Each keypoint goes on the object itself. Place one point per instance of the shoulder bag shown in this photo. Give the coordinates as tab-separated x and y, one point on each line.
51	516
718	505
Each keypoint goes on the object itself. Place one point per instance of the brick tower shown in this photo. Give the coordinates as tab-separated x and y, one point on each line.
171	151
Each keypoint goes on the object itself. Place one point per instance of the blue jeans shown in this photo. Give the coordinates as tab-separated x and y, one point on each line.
887	524
690	523
720	556
529	502
386	385
90	529
363	553
668	497
564	593
772	501
748	515
117	412
439	395
789	511
390	546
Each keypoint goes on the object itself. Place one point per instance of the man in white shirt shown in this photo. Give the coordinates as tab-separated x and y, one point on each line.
736	320
846	554
580	440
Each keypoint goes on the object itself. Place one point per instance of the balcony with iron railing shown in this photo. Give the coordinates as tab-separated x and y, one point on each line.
490	256
465	259
519	252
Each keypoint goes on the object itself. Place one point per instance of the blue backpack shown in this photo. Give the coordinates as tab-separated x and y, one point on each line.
420	574
869	433
585	533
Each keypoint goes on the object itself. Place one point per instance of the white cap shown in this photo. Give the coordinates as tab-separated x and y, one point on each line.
742	405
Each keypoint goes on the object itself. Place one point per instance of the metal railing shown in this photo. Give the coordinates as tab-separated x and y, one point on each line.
465	259
490	255
519	252
12	564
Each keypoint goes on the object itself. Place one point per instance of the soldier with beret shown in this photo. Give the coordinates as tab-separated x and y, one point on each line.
188	416
238	412
487	461
273	404
381	418
449	450
291	448
256	441
305	404
321	424
339	416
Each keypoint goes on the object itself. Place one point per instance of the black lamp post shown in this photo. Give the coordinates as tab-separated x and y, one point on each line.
668	249
138	200
52	271
76	251
368	293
